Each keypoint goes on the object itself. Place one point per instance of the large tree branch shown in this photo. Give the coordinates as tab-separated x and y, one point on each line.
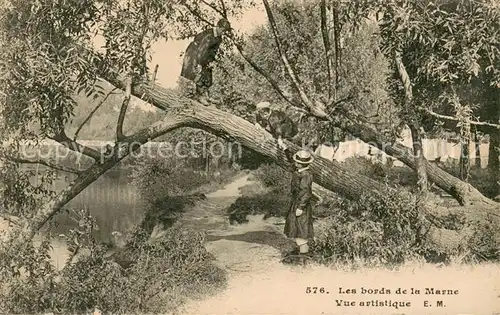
293	77
92	113
405	78
445	117
52	164
155	72
75	146
328	174
328	50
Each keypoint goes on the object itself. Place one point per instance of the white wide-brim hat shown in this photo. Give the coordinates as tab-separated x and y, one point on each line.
303	157
263	105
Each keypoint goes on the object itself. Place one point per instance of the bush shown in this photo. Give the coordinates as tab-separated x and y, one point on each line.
270	204
480	178
377	230
274	177
157	178
158	278
395	176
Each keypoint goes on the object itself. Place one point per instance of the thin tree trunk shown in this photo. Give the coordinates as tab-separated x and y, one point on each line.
463	192
493	162
418	151
414	124
477	148
46	212
465	159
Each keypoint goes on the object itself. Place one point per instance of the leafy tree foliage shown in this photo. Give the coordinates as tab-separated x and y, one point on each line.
363	69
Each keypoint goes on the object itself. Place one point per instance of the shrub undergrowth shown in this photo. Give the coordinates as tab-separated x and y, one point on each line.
143	276
375	230
158	278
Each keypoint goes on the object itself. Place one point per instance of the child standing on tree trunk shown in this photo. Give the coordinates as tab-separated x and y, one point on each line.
199	57
299	220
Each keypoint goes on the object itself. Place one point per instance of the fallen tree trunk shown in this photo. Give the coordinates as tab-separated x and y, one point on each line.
463	192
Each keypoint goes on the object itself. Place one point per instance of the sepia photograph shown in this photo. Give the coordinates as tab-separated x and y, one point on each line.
250	157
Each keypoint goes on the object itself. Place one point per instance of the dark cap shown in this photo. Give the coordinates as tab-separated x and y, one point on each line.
224	24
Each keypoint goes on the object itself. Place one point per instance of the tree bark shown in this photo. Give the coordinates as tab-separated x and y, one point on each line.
465	159
418	150
493	161
477	147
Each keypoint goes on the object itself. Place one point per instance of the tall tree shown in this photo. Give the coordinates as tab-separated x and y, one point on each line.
446	47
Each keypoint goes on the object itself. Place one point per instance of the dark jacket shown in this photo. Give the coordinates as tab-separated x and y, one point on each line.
278	124
301	198
201	51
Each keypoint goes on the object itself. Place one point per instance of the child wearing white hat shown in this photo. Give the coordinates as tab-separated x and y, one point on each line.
299	220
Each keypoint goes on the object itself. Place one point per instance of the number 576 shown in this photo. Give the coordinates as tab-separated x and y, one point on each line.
315	290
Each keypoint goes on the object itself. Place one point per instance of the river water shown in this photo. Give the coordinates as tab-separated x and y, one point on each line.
112	200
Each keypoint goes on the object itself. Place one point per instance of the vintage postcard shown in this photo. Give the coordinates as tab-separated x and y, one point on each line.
250	157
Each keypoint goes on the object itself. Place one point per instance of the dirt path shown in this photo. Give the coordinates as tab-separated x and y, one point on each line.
259	284
248	252
238	248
